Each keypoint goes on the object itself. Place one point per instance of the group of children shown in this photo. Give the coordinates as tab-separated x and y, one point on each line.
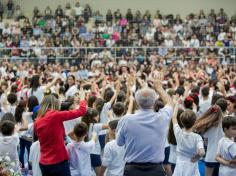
203	127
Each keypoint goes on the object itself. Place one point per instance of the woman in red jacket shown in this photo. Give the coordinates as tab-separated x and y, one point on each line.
50	131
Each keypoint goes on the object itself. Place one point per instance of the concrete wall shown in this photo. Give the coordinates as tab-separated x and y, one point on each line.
181	7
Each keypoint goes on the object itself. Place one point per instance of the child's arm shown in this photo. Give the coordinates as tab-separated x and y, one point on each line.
200	153
94	137
225	162
174	118
131	104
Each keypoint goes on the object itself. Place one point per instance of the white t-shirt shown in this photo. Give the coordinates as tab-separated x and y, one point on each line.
8	145
227	150
39	93
187	143
113	159
103	116
172	157
95	128
204	105
71	91
214	134
34	157
79	154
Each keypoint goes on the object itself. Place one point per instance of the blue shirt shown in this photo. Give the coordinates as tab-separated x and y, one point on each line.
83	74
144	134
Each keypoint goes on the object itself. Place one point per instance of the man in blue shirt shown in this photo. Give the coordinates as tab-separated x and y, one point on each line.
144	133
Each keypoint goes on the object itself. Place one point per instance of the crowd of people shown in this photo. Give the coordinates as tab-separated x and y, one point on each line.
125	103
81	26
144	111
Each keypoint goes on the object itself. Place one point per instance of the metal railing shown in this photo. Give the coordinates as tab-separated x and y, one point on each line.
86	53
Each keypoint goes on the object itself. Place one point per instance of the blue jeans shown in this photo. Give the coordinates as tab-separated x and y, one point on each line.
60	169
24	144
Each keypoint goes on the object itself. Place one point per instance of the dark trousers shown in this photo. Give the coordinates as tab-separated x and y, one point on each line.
60	169
144	170
24	144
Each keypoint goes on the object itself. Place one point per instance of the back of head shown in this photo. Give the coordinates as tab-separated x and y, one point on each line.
188	119
99	103
21	107
215	97
89	116
118	108
145	98
108	95
80	129
49	102
121	97
228	121
12	98
32	102
91	100
34	84
222	103
7	128
158	105
180	91
113	124
8	116
205	91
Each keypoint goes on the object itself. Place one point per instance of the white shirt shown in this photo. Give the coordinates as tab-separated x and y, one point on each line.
187	143
113	159
95	128
79	154
39	93
204	105
34	157
71	91
214	134
103	115
194	43
8	145
227	150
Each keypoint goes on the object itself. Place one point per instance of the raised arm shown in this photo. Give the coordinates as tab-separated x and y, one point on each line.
72	114
163	94
174	118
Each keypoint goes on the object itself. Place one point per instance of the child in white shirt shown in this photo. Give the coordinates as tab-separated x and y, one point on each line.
113	158
9	140
34	157
226	152
189	145
79	151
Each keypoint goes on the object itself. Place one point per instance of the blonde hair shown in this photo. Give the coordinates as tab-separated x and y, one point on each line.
49	102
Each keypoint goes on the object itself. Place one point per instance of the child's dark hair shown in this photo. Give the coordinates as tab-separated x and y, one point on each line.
7	128
215	97
212	117
91	100
19	111
222	103
188	119
228	121
8	116
205	91
12	98
80	129
99	103
32	102
113	124
121	97
89	116
158	105
180	91
118	108
108	94
171	135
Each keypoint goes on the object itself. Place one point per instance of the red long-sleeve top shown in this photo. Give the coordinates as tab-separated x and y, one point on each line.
50	131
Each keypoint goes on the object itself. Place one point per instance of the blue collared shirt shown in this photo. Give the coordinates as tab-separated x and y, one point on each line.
144	134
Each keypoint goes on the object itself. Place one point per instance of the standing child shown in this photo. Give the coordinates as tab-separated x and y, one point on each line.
113	158
226	152
9	141
91	118
210	126
79	151
189	145
34	157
